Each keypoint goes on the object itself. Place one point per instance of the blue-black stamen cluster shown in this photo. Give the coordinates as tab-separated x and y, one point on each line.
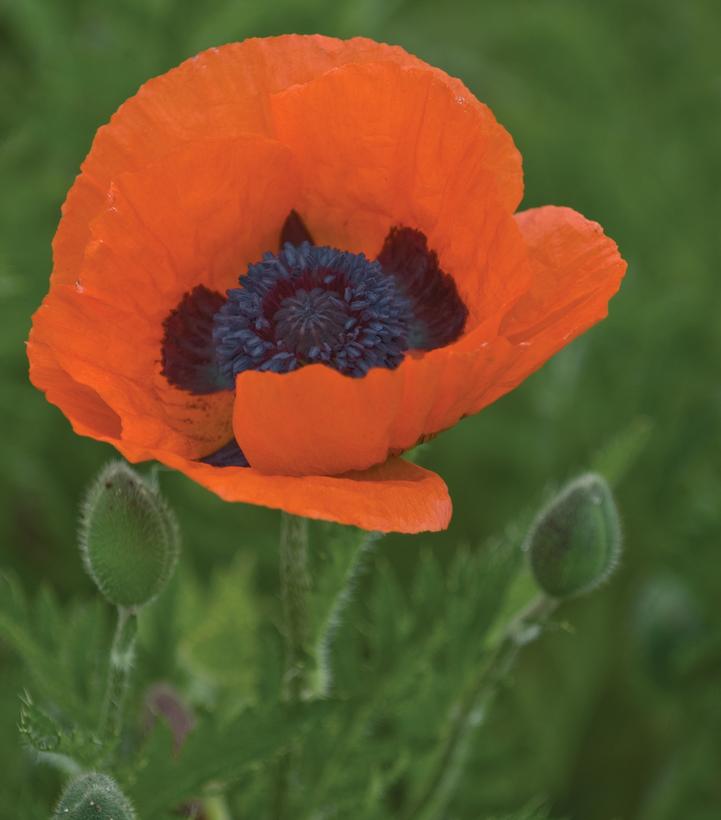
312	304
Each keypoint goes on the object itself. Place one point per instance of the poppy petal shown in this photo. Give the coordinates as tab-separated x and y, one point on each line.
576	269
221	92
196	218
110	351
199	216
382	146
88	413
316	421
396	496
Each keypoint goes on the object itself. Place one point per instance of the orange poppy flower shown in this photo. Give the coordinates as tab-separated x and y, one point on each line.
289	260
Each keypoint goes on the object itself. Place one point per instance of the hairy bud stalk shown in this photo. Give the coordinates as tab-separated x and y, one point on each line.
575	542
129	542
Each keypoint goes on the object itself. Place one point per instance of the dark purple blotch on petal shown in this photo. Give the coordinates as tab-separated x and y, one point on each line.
187	351
294	231
439	314
229	455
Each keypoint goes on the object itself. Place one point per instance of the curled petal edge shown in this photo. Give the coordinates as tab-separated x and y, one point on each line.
396	496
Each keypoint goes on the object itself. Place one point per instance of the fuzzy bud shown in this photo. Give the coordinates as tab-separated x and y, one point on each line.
128	537
93	796
575	542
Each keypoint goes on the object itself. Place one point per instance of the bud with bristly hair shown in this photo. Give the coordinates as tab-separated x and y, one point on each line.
575	542
129	538
93	796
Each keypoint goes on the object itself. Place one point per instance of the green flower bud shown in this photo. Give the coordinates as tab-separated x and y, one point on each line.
575	542
128	537
93	796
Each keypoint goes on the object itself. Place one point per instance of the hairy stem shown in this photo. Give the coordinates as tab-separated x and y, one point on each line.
295	586
120	666
469	711
294	591
323	676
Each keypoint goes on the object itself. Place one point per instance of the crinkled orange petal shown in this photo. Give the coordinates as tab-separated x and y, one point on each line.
317	420
576	269
223	92
393	497
87	412
380	145
115	353
197	217
396	496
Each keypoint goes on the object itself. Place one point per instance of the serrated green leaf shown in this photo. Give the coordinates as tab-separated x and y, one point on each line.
214	753
61	650
41	732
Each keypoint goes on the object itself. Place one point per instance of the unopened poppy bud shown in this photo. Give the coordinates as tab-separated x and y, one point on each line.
93	796
128	537
575	542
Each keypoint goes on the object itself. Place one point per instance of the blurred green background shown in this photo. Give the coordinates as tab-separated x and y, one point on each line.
616	108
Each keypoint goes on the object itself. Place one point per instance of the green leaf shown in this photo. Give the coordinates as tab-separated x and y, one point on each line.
41	732
221	646
616	458
61	649
213	753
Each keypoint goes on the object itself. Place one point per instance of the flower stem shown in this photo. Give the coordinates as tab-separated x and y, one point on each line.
322	678
295	586
120	666
469	711
294	591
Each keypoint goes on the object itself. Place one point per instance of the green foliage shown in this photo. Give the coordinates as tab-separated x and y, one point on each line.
402	661
617	456
37	728
63	649
219	617
129	538
213	754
